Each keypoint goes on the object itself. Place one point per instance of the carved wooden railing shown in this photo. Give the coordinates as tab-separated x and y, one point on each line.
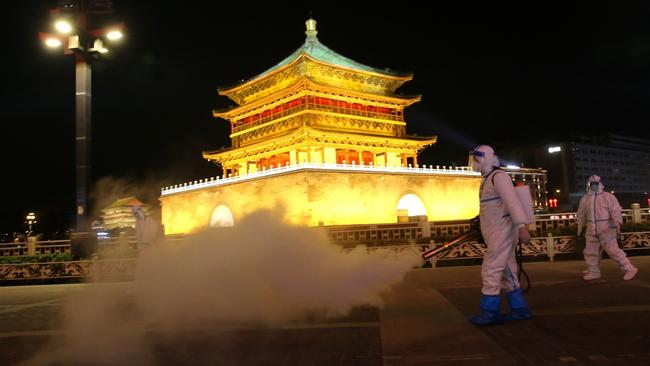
540	248
110	269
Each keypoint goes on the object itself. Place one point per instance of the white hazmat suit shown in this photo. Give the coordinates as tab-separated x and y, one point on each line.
503	221
148	231
600	213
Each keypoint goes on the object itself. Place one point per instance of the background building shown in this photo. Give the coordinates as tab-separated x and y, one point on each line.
536	179
622	162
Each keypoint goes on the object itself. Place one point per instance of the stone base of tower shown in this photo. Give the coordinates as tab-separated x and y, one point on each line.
313	197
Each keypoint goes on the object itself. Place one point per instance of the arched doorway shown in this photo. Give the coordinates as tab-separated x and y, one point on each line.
221	217
411	205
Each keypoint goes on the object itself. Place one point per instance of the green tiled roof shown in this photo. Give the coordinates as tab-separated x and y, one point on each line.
128	201
318	51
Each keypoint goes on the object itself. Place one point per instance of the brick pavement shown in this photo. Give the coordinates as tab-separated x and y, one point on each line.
423	322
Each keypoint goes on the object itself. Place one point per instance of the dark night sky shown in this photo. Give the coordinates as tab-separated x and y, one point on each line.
496	74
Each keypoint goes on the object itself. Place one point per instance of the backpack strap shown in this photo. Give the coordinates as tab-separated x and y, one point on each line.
493	173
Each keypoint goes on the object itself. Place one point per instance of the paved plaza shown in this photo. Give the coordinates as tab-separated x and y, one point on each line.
423	322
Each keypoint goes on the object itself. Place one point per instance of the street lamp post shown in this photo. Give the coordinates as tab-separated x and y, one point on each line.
30	219
70	22
83	99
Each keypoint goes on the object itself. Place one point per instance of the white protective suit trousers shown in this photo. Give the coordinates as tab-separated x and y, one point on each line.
499	269
605	240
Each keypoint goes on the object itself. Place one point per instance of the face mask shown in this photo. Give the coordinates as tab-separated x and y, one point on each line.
593	186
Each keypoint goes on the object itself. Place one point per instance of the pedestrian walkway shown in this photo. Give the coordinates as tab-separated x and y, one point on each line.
602	322
423	322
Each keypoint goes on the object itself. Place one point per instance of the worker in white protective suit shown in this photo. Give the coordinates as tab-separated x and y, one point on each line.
600	213
148	231
503	224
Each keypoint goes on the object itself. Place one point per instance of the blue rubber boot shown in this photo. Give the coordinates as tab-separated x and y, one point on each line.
490	305
518	307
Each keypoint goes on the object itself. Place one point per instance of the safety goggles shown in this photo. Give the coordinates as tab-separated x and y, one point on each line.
477	153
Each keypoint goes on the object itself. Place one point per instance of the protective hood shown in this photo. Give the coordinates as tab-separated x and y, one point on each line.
484	159
594	185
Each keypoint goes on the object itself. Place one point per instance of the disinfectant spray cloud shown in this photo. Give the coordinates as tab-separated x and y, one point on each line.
260	272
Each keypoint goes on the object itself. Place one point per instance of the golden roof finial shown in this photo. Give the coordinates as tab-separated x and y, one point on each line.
311	27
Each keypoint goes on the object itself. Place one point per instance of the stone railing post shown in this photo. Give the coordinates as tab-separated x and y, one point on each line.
636	213
550	248
31	245
426	227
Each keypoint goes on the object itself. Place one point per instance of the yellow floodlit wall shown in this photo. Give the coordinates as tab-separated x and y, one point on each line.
325	198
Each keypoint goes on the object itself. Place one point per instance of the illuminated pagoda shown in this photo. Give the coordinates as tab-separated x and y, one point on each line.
324	137
119	214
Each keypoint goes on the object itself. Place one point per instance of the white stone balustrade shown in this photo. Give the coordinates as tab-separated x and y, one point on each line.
217	181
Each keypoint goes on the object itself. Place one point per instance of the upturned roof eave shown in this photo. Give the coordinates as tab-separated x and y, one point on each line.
228	113
422	141
303	55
